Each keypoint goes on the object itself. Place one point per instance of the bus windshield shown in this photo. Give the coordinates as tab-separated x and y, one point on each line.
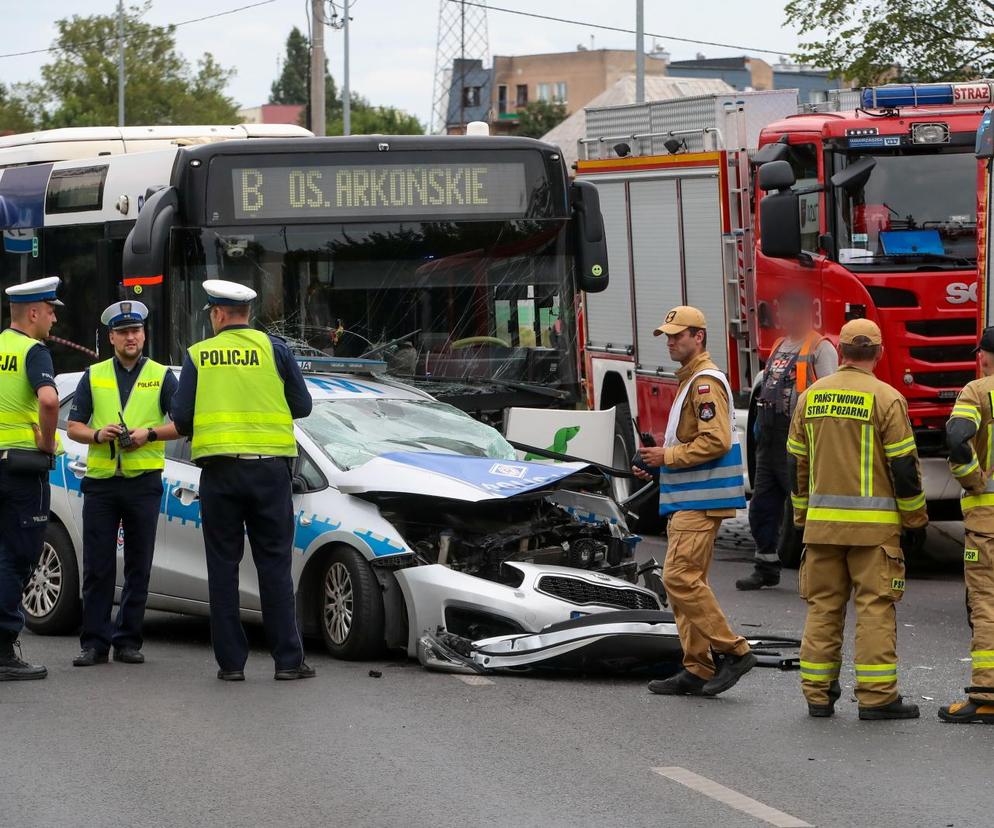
447	303
915	208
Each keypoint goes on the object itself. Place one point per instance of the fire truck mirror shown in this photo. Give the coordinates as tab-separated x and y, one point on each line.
855	175
780	225
776	175
145	247
591	241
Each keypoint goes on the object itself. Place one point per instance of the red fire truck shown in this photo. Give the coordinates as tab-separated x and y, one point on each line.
872	208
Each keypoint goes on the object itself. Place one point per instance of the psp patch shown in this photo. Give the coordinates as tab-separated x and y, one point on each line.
897	584
971	555
705	411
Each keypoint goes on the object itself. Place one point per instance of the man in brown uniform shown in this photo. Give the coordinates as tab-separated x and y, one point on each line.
855	484
700	484
970	436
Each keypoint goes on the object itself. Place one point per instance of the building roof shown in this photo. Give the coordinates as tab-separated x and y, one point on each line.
739	62
657	88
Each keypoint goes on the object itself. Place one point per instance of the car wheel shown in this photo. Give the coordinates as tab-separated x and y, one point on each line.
51	599
351	606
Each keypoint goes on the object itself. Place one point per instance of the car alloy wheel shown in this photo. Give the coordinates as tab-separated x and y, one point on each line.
338	603
43	590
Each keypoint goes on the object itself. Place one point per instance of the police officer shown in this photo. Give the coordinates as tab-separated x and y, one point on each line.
238	395
855	484
700	474
968	435
797	359
29	412
123	482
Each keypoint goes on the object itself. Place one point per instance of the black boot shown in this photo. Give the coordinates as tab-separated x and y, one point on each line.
293	673
757	579
683	683
897	709
824	711
730	670
89	657
14	668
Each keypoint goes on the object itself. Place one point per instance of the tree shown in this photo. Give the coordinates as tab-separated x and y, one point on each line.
367	119
538	117
79	86
925	40
15	115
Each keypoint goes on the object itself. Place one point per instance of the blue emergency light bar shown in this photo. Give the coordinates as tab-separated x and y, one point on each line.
338	365
894	95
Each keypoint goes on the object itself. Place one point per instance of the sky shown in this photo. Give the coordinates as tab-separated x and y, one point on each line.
392	42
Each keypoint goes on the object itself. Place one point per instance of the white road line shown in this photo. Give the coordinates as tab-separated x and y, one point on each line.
733	799
472	681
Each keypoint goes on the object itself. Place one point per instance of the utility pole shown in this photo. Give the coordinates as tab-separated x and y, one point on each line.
317	67
120	63
639	52
346	94
462	64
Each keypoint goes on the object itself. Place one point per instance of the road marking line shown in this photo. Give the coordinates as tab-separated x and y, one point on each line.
473	681
733	799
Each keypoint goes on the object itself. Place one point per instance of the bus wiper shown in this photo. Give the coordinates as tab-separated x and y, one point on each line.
514	385
373	351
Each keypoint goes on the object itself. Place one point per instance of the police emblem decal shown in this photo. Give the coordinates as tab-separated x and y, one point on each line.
705	411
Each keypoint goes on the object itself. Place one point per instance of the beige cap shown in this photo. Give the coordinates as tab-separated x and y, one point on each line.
860	328
681	318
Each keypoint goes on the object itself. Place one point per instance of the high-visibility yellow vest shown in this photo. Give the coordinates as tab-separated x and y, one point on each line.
240	407
18	399
142	411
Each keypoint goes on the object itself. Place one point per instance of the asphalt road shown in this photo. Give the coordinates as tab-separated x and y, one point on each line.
167	744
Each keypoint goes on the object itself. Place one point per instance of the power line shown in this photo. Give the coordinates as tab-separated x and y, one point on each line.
114	37
623	31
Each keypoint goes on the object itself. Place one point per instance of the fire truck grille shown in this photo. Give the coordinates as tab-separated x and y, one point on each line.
943	353
577	591
943	327
944	379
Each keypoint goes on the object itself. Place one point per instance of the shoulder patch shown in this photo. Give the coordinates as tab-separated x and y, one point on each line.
704	389
706	411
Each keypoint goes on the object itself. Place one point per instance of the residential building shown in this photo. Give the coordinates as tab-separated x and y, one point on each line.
272	114
469	95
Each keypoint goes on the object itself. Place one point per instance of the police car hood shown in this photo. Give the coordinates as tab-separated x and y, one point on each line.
450	476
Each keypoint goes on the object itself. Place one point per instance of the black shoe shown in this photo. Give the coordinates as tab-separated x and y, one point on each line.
897	709
128	655
968	712
88	657
683	683
231	675
15	668
757	579
301	672
732	668
824	711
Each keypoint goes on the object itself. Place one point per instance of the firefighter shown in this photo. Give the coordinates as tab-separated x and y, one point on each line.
700	482
855	484
797	359
968	434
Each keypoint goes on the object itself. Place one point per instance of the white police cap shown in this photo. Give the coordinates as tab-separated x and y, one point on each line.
40	290
126	314
221	292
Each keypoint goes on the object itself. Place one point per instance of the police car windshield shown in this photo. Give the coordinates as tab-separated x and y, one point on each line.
917	210
352	432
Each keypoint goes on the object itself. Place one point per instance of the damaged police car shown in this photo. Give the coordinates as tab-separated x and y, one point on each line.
411	517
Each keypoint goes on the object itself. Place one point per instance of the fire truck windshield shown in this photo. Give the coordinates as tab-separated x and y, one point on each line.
915	209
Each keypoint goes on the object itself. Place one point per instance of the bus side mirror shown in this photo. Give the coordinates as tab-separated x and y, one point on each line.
591	241
145	247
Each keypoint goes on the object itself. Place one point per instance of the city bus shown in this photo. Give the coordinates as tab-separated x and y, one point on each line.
457	260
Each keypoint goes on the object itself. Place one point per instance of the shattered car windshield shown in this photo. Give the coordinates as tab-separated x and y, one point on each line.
352	432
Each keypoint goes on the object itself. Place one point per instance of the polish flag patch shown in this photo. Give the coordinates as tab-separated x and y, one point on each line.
703	389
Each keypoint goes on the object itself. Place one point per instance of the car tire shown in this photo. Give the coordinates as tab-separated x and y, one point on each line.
350	606
51	600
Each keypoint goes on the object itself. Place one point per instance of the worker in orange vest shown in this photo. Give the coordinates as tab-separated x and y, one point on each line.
797	359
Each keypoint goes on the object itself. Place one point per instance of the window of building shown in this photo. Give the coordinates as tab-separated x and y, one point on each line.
545	91
501	99
561	91
522	95
471	96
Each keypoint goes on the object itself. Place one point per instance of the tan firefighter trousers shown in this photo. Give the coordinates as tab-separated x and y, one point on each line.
701	623
978	570
874	575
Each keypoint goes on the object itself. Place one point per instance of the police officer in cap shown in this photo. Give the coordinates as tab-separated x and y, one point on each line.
29	412
238	395
123	483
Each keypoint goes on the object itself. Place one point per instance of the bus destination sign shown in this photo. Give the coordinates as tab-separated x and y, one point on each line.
388	190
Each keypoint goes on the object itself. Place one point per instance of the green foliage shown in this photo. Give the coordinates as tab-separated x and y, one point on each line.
926	40
79	85
15	112
368	119
538	117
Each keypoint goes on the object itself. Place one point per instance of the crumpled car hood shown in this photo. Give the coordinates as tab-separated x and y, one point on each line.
451	476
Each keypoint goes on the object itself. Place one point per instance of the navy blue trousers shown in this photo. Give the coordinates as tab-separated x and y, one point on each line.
770	491
254	496
24	503
133	502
